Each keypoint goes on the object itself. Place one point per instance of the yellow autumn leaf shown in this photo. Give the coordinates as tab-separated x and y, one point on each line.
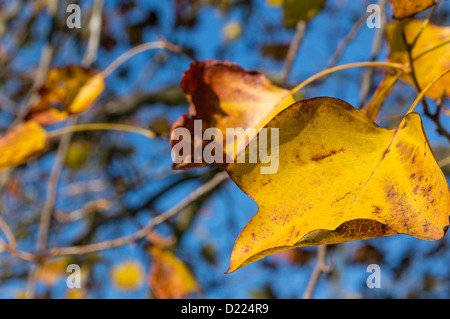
76	293
407	8
50	273
298	10
232	31
88	94
331	186
170	278
430	54
373	107
21	143
128	275
67	90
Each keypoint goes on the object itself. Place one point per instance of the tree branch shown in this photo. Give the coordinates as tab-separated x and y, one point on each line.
321	267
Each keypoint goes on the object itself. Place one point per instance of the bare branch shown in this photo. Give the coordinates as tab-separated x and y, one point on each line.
142	233
293	49
321	267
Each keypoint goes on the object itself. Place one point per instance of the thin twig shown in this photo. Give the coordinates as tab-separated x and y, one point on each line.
293	49
366	80
88	209
49	204
321	267
444	162
118	242
8	232
347	40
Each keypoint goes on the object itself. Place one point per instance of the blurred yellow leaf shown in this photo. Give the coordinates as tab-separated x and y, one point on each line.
87	94
21	143
373	107
170	278
232	30
128	275
298	10
407	8
50	273
427	66
331	186
67	90
77	154
76	293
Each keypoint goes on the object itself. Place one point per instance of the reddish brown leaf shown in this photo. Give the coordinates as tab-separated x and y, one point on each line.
223	95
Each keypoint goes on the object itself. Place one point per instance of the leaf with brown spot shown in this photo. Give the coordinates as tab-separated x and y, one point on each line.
21	143
336	183
430	54
67	90
223	95
170	278
407	8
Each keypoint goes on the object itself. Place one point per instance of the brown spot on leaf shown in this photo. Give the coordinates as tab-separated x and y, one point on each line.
320	157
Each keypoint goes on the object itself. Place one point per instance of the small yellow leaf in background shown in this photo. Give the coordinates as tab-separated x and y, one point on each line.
407	8
298	10
77	154
373	107
67	90
223	95
428	66
128	275
21	143
446	111
170	278
331	186
50	273
76	293
87	94
232	30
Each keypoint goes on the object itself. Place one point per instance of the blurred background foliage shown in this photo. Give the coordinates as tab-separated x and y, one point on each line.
119	181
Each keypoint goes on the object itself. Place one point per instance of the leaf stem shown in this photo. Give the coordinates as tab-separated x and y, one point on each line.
425	90
162	44
396	66
444	162
102	126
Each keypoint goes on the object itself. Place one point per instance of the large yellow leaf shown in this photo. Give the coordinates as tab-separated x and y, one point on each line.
170	278
223	95
428	64
407	8
330	187
67	90
21	143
